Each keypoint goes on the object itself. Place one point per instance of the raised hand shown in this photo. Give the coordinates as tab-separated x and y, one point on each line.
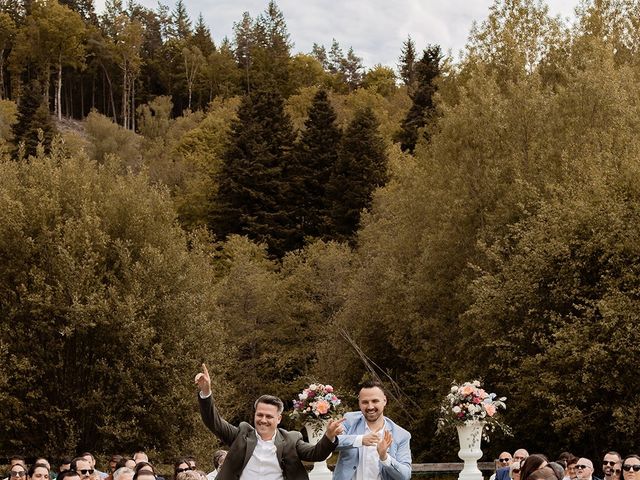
203	380
384	444
334	428
370	439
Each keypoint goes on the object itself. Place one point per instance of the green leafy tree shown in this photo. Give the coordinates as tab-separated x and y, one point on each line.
244	42
254	180
126	47
360	169
380	79
193	64
423	107
98	270
221	74
52	36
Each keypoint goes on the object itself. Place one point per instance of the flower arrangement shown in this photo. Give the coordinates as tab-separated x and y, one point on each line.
468	403
316	402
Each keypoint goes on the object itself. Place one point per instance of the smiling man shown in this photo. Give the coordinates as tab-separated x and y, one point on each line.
372	446
262	451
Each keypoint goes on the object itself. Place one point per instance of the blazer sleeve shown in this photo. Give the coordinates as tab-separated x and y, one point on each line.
348	439
214	422
400	468
317	452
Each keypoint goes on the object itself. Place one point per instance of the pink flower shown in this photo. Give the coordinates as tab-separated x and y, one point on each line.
482	394
328	388
490	409
476	400
322	407
467	390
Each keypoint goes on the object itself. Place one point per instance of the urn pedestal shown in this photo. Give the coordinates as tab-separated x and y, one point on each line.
315	431
470	436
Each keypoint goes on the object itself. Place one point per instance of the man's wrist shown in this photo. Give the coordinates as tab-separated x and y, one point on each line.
387	461
203	396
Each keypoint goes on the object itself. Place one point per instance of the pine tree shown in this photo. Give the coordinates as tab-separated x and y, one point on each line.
181	21
320	53
202	37
315	160
360	169
407	67
244	45
254	183
272	52
423	108
33	117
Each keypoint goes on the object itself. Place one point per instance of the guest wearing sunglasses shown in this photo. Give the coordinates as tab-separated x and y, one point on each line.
503	461
584	469
181	465
17	472
631	468
519	456
83	468
617	472
571	471
609	463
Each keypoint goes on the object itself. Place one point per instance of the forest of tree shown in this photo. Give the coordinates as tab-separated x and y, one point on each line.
288	218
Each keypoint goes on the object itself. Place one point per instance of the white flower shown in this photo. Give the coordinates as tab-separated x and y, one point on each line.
302	396
454	389
456	409
313	386
476	383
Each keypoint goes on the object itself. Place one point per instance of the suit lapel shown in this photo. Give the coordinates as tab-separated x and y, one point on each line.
279	442
252	441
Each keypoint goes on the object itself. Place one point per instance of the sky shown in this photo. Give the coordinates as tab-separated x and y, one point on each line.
375	29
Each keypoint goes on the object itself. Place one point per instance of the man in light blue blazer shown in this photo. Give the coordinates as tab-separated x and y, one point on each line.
372	446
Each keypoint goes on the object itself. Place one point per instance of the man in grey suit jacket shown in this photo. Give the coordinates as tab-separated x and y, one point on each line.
262	451
372	446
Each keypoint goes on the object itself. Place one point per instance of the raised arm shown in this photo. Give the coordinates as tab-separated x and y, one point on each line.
208	411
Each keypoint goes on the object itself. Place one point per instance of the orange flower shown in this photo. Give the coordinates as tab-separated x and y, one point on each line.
491	409
322	406
467	390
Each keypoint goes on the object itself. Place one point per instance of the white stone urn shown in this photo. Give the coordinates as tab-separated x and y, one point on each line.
470	435
315	430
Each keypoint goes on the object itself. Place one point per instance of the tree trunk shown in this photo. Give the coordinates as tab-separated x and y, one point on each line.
59	91
125	96
2	74
133	104
113	103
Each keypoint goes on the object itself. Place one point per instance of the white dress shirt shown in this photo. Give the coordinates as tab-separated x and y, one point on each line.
263	463
369	461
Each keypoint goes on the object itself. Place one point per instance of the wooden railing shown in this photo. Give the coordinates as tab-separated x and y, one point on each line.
450	467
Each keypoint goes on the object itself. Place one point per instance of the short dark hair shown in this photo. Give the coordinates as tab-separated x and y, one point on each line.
17	457
64	460
270	400
613	452
32	468
74	462
85	454
371	384
67	473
